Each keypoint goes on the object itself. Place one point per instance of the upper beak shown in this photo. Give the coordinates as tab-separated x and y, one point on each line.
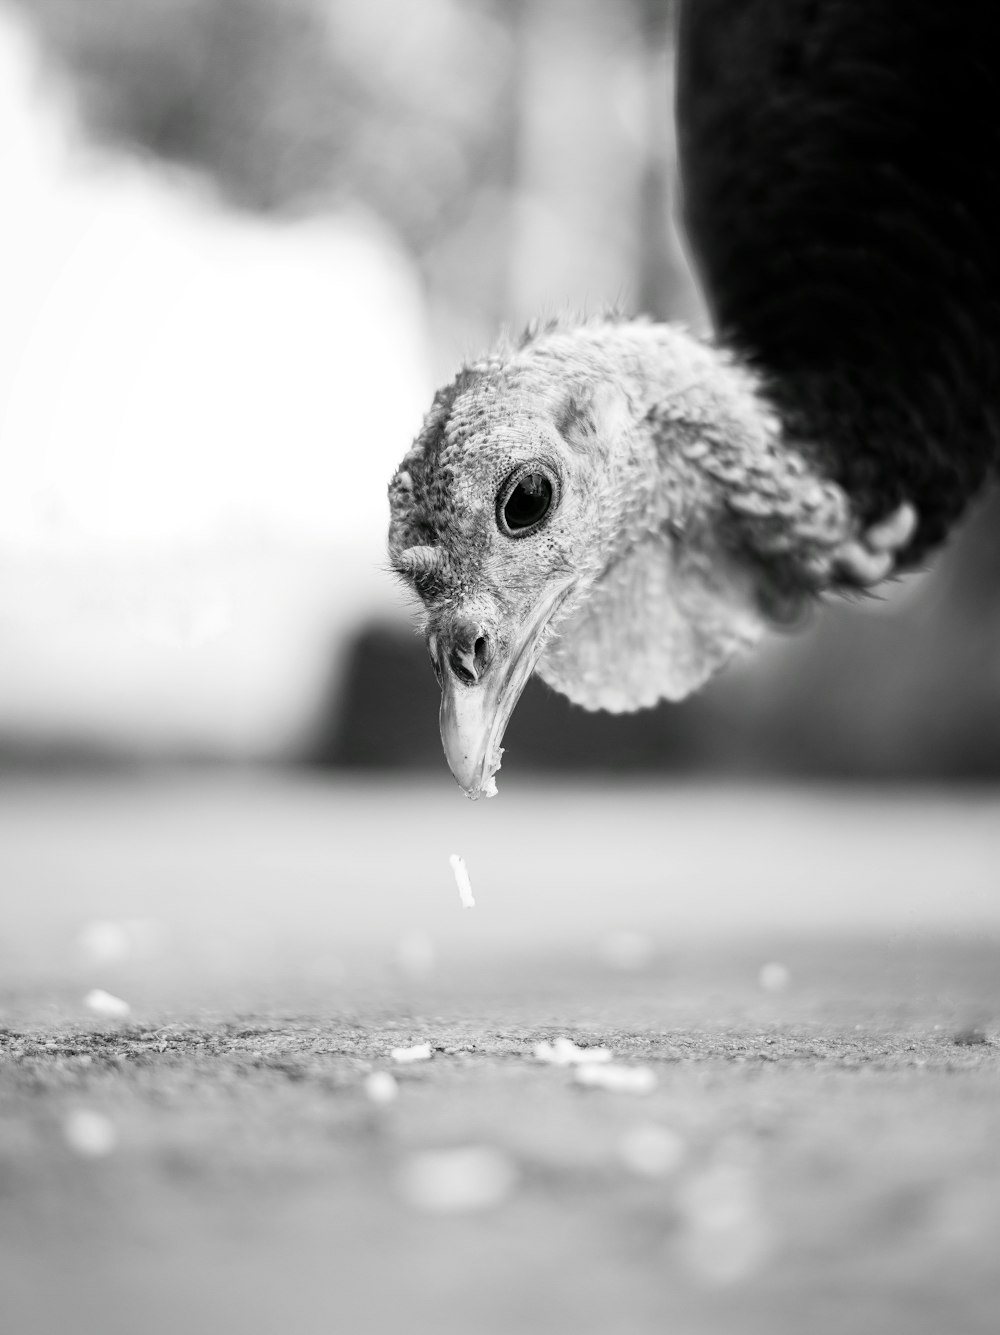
482	676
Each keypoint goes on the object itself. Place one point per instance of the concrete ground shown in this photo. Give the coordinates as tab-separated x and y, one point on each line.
810	978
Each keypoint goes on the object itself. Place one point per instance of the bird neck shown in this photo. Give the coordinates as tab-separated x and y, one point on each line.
712	525
709	460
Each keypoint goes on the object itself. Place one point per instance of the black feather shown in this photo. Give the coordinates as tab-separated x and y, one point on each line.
840	166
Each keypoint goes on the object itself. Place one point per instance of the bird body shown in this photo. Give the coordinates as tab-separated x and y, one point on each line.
622	506
840	164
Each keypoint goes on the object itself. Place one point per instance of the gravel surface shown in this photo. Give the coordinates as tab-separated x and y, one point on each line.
818	1151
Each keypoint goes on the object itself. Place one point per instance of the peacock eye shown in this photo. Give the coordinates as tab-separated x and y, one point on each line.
523	503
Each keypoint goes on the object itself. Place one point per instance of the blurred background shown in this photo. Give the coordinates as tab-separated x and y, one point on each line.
243	244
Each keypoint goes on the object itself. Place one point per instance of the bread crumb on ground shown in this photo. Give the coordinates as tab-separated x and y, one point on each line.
105	1003
419	1052
618	1079
564	1052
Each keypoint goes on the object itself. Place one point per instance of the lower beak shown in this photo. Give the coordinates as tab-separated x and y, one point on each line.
474	715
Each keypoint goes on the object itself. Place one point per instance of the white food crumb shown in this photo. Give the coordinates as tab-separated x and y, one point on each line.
90	1133
462	881
473	1177
650	1150
420	1052
619	1079
104	1003
381	1087
564	1052
774	977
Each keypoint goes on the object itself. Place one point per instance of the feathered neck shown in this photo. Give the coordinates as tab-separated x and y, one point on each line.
713	525
686	428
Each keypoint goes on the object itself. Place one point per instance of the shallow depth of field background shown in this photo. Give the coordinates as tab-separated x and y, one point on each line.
243	242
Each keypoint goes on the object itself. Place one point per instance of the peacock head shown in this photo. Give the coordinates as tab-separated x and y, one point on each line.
613	505
553	515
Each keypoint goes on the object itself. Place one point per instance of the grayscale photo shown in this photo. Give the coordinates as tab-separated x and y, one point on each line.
500	678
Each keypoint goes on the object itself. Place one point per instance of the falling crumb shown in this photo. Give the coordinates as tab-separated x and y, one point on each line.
619	1079
489	786
650	1150
381	1087
104	1003
457	1181
462	881
420	1052
564	1052
90	1133
774	977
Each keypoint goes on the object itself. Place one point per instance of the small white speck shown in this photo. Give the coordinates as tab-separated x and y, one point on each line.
564	1052
462	881
90	1133
106	1004
381	1087
774	977
457	1181
419	1052
618	1079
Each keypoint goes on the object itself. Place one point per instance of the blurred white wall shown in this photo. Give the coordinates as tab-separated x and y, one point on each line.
199	413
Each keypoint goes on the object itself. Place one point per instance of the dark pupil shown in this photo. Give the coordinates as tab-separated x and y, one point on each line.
528	502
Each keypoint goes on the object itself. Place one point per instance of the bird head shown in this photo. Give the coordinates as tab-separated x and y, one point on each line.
555	515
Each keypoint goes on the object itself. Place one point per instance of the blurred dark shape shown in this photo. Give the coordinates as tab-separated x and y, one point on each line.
909	691
383	713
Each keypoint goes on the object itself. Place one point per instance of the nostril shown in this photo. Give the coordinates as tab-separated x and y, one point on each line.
459	663
481	654
470	652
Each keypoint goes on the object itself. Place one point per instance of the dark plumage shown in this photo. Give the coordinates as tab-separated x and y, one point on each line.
622	506
840	162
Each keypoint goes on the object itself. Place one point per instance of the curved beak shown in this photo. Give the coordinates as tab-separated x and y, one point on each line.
479	692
